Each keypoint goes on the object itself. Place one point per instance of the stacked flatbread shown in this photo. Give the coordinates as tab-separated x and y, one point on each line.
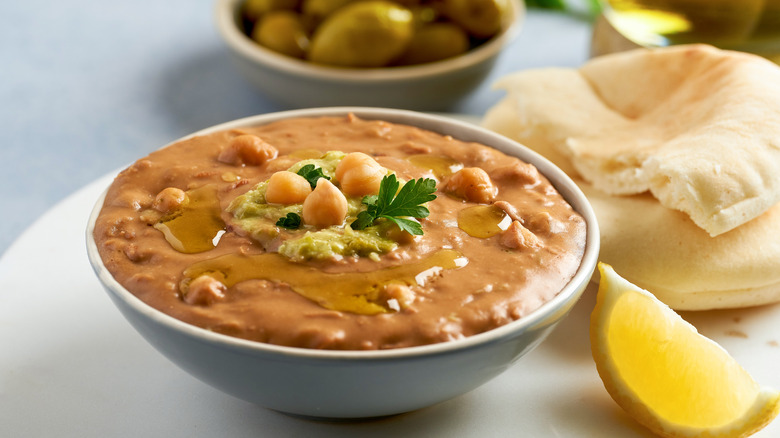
678	150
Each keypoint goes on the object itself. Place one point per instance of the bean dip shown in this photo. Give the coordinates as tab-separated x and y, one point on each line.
191	231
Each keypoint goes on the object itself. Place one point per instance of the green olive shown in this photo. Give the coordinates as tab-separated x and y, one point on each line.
434	42
408	3
252	10
282	31
480	18
319	9
424	14
363	34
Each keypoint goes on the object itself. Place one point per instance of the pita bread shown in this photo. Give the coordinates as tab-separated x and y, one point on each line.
661	249
697	127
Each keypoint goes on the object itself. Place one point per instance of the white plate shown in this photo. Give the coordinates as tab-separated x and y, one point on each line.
70	366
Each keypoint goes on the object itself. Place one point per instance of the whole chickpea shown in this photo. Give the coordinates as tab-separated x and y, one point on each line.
519	172
247	149
402	294
287	188
519	237
205	290
169	199
359	174
362	180
472	184
325	206
352	160
281	163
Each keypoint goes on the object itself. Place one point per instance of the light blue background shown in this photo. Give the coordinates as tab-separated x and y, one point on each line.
88	86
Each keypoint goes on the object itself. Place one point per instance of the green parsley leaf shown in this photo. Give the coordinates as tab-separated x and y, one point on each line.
548	4
292	221
410	226
312	174
396	206
370	199
364	219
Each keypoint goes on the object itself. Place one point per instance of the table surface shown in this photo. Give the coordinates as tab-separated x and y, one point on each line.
89	86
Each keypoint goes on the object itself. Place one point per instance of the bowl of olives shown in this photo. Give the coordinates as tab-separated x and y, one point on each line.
415	54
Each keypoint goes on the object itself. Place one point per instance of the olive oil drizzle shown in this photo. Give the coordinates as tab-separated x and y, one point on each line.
357	292
483	221
307	154
442	166
197	225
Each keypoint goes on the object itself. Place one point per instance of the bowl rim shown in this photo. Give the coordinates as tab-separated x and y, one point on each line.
437	123
226	16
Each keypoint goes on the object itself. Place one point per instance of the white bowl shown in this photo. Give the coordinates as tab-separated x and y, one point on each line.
295	83
353	384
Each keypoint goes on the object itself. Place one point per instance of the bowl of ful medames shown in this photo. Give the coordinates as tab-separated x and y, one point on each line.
343	262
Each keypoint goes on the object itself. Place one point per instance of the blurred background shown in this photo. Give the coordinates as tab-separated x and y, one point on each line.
88	86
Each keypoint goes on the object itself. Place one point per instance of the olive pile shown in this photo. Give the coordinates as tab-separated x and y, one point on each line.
372	33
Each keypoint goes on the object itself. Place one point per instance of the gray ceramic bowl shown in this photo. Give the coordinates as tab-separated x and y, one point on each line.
295	83
353	384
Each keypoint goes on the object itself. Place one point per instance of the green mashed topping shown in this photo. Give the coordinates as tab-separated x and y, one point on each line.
327	163
334	242
258	218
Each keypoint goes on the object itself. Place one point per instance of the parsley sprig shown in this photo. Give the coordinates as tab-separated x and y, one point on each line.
292	221
395	205
311	173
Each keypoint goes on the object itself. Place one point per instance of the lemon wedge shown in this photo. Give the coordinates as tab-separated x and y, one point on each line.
666	375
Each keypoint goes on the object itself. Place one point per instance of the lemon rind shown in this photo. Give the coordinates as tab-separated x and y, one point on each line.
762	412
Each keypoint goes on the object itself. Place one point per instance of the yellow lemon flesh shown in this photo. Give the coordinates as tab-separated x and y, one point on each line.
666	375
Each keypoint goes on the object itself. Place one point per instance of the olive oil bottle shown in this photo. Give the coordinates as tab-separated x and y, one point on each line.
745	25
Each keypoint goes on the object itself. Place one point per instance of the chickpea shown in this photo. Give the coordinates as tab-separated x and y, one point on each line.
352	160
519	237
137	199
136	254
205	290
169	200
519	172
247	149
544	223
325	206
403	295
362	180
359	174
287	188
281	163
509	209
472	184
